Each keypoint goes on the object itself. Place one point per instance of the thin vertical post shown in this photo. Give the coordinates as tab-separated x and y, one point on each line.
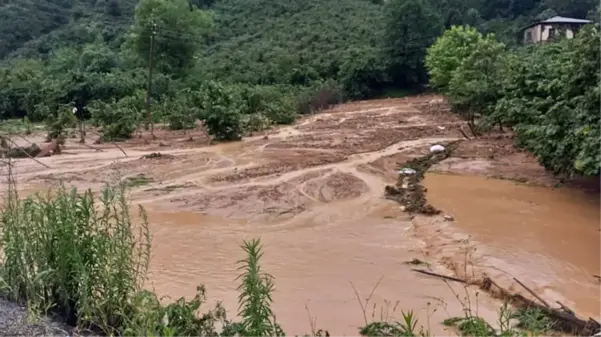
148	117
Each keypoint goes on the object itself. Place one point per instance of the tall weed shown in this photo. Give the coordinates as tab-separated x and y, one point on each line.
75	255
254	297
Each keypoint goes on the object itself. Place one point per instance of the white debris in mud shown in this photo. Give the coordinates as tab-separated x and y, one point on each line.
407	171
449	218
436	148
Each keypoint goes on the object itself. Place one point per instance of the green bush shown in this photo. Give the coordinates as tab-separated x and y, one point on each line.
221	113
224	122
255	122
57	124
75	255
119	119
180	113
318	97
363	74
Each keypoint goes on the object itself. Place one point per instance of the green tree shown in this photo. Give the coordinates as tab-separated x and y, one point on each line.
363	73
473	87
412	26
448	53
221	113
21	88
178	33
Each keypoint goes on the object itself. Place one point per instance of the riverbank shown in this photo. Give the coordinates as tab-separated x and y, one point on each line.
15	321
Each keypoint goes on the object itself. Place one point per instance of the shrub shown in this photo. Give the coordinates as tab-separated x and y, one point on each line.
57	124
220	112
224	122
281	112
180	318
74	253
319	97
28	125
255	122
180	115
82	258
118	119
363	74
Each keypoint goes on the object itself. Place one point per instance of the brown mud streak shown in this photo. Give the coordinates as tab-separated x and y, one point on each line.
411	194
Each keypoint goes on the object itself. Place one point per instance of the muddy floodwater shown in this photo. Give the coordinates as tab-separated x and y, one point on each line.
314	194
547	236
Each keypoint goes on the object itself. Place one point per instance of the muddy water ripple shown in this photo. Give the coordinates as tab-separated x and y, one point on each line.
547	237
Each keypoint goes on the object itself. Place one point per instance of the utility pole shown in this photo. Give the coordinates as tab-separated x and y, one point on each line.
148	117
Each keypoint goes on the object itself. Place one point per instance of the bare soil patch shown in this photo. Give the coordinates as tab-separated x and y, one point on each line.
495	156
282	161
335	187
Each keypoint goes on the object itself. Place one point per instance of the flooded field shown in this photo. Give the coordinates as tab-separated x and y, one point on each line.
314	194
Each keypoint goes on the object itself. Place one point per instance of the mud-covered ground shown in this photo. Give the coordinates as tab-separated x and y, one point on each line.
325	168
371	136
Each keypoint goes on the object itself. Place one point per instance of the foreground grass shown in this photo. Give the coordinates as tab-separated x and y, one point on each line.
79	257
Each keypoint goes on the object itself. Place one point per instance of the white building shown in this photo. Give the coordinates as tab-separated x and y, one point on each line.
553	28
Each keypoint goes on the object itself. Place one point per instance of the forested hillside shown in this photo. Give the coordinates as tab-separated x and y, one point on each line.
240	65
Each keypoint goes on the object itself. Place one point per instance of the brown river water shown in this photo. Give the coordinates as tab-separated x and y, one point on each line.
314	194
546	236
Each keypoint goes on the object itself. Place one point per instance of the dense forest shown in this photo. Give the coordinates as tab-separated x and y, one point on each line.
241	65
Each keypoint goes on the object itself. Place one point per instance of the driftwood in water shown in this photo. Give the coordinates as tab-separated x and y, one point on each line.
532	293
439	275
565	320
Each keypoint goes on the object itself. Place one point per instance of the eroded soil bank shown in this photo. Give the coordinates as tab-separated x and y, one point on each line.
314	193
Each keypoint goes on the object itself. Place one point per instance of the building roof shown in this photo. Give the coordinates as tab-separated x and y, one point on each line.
560	19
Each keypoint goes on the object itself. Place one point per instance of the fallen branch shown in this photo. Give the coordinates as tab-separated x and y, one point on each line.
566	309
27	154
463	133
563	321
91	147
450	278
117	146
532	293
564	318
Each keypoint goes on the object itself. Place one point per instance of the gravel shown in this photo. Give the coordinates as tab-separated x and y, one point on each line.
14	322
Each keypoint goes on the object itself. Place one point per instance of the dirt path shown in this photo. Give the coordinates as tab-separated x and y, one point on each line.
313	192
